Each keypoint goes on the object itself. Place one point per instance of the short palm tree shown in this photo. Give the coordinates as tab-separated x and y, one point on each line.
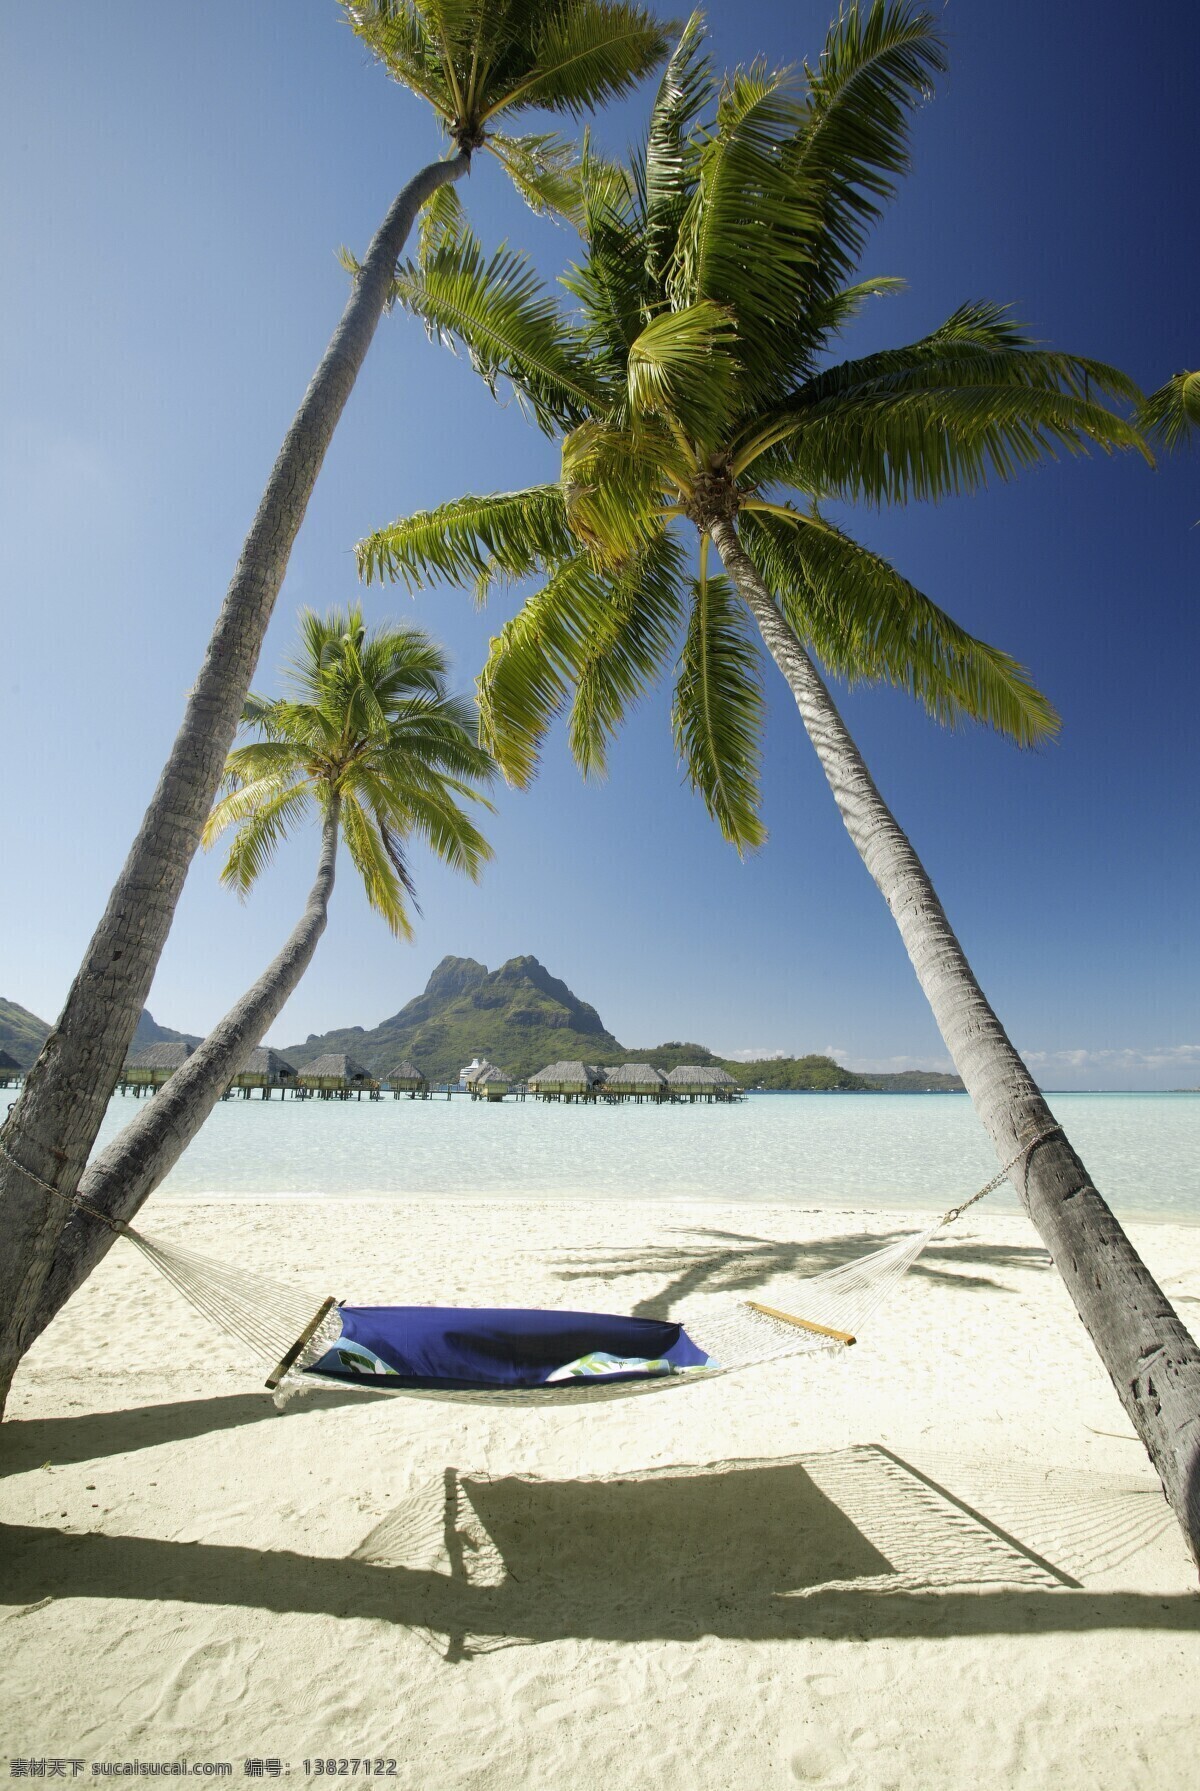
479	64
1172	413
367	743
692	385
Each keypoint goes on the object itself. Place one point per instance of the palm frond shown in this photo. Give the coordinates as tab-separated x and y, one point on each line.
544	169
746	238
669	170
878	63
509	323
610	283
1172	413
625	654
262	816
385	884
580	56
533	664
510	533
450	834
612	480
442	221
398	36
868	624
976	397
680	366
718	712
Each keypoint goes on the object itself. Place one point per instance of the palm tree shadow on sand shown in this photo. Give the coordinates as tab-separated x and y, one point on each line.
706	1260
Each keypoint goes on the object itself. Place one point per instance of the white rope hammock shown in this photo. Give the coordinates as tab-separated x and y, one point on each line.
287	1328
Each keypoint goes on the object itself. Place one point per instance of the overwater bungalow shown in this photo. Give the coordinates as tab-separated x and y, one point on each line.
336	1076
491	1084
568	1081
702	1082
470	1073
150	1068
407	1079
635	1082
10	1070
266	1070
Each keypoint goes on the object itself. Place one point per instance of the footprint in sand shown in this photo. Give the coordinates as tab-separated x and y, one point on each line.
214	1676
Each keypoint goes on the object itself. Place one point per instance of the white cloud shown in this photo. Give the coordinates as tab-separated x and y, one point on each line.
1122	1057
842	1054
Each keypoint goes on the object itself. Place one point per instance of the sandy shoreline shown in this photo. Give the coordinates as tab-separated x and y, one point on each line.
935	1559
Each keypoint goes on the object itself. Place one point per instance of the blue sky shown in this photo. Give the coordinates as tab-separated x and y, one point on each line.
178	182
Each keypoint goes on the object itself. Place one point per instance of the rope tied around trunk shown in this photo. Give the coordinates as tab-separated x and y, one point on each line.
956	1212
93	1212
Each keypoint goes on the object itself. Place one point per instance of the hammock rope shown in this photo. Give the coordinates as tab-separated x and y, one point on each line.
831	1307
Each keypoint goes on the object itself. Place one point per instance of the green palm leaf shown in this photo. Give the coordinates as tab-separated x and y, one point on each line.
1172	412
510	326
386	885
746	238
680	366
625	654
472	539
718	712
878	63
669	170
868	624
582	55
534	662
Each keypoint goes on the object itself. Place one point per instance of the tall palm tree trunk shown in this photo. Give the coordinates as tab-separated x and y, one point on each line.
54	1123
1153	1362
124	1175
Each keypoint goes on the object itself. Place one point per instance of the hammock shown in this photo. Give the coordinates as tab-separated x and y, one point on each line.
527	1357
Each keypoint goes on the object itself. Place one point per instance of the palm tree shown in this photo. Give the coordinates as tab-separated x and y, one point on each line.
693	383
366	743
478	63
1172	413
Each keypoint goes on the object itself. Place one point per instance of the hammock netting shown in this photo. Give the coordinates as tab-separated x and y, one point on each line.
516	1355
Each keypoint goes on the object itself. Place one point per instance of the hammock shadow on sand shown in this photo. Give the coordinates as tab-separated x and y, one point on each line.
848	1543
819	1543
27	1443
731	1262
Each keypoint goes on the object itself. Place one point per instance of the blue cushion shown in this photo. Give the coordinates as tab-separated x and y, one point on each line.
481	1347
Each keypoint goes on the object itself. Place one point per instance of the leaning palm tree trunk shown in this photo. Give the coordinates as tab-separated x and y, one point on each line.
124	1175
54	1123
1154	1363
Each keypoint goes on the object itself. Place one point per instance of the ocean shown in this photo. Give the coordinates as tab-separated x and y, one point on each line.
846	1150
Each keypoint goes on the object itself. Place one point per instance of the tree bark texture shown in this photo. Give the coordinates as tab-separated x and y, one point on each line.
1153	1362
126	1173
54	1122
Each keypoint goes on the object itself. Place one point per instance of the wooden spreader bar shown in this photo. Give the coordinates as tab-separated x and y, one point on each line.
803	1324
318	1318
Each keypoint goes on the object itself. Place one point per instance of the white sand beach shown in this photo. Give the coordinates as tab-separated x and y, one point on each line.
937	1559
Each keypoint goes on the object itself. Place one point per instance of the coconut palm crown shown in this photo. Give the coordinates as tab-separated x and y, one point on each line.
690	379
478	61
1172	413
367	731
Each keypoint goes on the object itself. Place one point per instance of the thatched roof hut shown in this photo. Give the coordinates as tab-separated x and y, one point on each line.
406	1078
706	1081
336	1073
641	1080
151	1067
470	1074
567	1078
10	1069
265	1068
492	1083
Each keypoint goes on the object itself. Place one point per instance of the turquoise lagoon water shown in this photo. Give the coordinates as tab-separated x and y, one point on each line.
856	1150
